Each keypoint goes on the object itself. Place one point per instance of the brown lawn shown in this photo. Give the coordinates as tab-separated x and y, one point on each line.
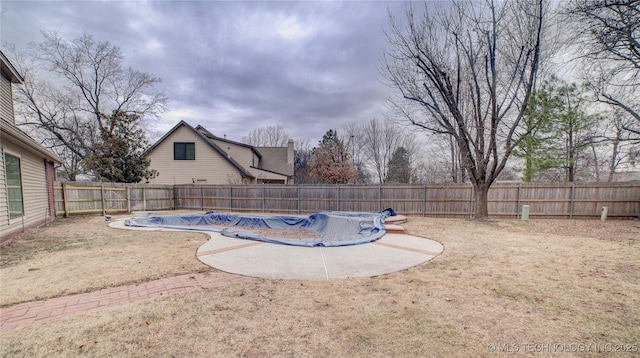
533	288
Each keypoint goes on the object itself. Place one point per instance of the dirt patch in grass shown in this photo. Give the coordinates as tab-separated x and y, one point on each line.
507	286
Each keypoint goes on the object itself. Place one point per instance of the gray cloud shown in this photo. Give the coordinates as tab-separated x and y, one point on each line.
236	66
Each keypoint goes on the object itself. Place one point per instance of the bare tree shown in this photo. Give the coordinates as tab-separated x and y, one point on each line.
467	71
355	143
95	71
379	139
302	154
88	83
622	143
432	171
609	42
445	150
270	136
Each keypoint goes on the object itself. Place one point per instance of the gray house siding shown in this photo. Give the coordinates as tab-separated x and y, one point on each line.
6	104
34	191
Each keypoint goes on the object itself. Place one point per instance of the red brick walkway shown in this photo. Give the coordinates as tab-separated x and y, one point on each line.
25	314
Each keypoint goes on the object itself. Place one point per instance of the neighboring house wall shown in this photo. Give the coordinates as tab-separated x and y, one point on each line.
208	164
278	159
243	155
36	200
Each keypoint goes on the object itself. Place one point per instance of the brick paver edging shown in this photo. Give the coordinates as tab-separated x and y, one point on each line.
28	313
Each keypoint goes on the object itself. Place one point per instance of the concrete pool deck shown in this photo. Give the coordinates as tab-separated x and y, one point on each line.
393	252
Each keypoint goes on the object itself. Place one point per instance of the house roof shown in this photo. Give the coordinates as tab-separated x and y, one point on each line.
8	68
275	159
210	135
241	169
8	129
269	171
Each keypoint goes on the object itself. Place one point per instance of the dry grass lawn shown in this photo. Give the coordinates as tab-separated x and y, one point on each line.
532	288
83	254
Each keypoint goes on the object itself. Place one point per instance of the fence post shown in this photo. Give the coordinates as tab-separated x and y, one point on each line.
338	198
201	198
172	197
518	205
424	201
102	199
64	200
230	198
175	197
128	200
144	199
380	197
471	203
573	193
264	198
298	199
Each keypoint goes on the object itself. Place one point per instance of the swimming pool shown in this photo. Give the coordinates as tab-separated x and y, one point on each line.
335	228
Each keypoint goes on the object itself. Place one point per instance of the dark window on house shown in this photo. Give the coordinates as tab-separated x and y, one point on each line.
14	185
184	151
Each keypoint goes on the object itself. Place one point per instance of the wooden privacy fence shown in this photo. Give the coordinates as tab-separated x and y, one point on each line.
87	198
505	200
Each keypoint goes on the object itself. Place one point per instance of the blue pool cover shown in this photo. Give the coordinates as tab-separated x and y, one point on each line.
336	228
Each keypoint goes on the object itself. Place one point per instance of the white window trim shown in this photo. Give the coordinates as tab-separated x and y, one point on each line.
6	187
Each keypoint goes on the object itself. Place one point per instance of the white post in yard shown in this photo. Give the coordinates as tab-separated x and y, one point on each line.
525	212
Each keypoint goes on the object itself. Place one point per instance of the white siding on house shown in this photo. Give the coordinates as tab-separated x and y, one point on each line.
6	103
4	204
34	189
209	164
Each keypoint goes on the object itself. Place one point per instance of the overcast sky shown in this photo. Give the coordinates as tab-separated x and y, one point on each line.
235	66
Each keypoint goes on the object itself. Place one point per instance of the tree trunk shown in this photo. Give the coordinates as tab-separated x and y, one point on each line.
454	163
481	208
596	165
614	158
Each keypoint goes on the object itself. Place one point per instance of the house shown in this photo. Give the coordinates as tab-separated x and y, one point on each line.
188	155
27	170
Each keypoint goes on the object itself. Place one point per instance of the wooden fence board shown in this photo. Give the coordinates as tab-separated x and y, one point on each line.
85	198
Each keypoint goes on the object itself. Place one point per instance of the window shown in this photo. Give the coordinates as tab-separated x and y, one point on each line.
14	185
184	151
